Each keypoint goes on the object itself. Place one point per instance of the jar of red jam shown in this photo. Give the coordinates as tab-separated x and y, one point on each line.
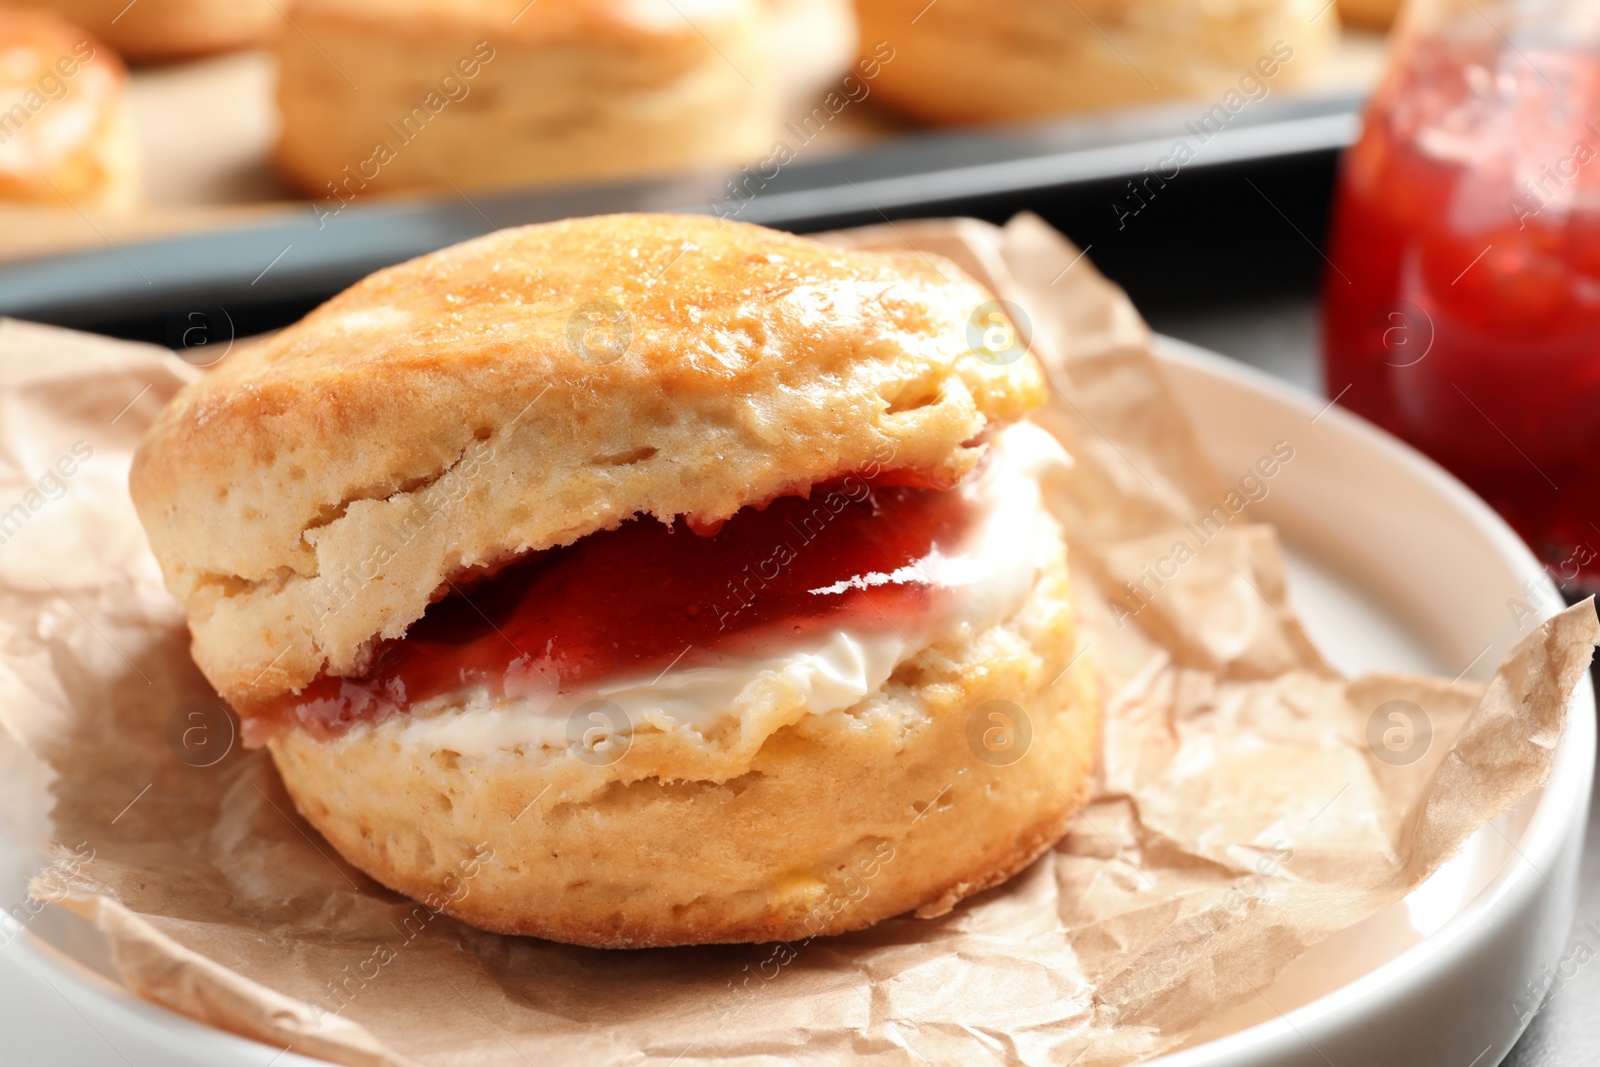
1462	304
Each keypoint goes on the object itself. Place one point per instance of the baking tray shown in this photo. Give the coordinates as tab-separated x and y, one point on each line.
1245	213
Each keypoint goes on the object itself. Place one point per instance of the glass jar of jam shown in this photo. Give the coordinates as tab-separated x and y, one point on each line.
1462	306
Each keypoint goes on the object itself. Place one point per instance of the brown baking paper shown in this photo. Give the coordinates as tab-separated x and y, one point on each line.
1241	814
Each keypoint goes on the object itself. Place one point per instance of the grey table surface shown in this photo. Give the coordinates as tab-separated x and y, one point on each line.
1280	338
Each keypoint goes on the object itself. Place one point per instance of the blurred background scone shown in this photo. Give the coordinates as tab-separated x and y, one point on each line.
64	128
1370	14
496	93
158	30
961	61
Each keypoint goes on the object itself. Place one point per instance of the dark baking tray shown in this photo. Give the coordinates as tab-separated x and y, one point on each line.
1245	213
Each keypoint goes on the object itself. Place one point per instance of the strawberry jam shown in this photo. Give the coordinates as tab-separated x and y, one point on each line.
1464	311
641	598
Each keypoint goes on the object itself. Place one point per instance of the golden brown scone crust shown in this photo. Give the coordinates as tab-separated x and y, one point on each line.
827	824
1369	14
65	132
648	27
961	61
316	491
154	30
538	94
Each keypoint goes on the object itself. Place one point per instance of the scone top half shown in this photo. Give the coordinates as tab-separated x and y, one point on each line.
310	497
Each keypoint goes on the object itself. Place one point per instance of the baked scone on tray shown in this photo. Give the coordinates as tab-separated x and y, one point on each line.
965	61
160	30
684	567
65	132
482	94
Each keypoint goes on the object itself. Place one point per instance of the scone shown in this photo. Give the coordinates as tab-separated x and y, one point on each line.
1369	14
960	61
641	580
429	94
65	133
153	30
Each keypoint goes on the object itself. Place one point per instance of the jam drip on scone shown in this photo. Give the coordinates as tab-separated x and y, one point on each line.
857	553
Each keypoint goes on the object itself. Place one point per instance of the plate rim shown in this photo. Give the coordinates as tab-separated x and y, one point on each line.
1549	826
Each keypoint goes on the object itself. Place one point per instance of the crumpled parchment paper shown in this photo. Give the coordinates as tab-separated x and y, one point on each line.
1244	812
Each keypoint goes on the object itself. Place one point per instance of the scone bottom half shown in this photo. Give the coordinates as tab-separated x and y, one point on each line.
641	580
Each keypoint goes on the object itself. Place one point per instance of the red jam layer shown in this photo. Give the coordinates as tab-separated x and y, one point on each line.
645	596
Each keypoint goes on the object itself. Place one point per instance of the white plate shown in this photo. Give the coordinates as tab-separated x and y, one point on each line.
1397	565
1394	565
